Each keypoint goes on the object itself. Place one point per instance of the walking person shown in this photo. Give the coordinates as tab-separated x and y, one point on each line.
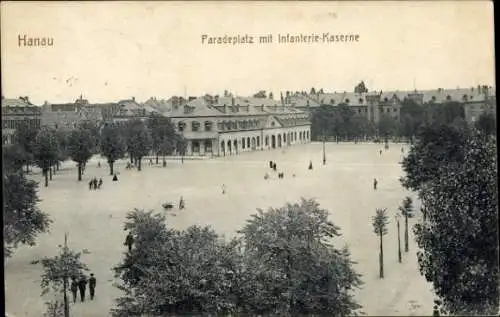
94	181
115	178
92	283
310	165
100	183
74	288
223	189
90	184
181	203
375	183
82	285
129	241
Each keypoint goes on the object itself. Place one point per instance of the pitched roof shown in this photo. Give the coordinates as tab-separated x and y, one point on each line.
15	102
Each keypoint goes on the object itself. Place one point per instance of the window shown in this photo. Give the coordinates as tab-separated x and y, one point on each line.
181	126
208	126
195	126
387	110
394	109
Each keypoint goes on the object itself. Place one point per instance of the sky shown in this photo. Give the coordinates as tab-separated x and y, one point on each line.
109	51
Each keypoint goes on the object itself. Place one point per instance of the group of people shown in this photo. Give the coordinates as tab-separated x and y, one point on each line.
81	285
95	184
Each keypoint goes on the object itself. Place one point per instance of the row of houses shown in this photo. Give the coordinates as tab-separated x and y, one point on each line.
224	125
211	125
372	105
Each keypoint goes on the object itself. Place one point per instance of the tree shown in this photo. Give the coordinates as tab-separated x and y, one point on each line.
412	117
14	157
63	139
458	240
487	123
175	272
292	268
25	136
46	150
360	88
163	135
386	126
138	140
59	269
380	221
407	211
23	220
112	145
80	145
437	145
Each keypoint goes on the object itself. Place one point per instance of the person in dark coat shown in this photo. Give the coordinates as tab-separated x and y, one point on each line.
181	203
274	167
100	183
375	183
270	164
94	181
129	241
310	165
74	288
90	184
82	285
92	283
115	178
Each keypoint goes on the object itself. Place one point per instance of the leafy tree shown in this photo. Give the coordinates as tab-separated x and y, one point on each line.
25	136
80	145
175	272
458	240
322	122
112	145
291	266
46	150
360	88
63	139
436	145
163	135
407	211
412	117
59	269
23	220
14	157
386	126
487	123
380	221
138	140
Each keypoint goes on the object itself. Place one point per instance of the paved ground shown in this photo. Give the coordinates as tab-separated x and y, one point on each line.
344	186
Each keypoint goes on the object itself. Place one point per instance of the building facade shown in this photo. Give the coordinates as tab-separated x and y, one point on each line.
373	105
220	126
16	112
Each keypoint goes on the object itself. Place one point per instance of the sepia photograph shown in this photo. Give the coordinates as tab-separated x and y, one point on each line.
238	158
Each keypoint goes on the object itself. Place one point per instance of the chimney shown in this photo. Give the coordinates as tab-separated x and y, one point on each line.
232	101
224	109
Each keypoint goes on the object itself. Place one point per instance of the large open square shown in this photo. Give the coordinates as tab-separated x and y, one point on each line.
344	186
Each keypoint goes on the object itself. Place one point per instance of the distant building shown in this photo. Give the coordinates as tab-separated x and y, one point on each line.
373	105
220	126
68	116
16	112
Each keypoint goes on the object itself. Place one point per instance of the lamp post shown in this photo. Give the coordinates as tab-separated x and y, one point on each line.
324	154
398	218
